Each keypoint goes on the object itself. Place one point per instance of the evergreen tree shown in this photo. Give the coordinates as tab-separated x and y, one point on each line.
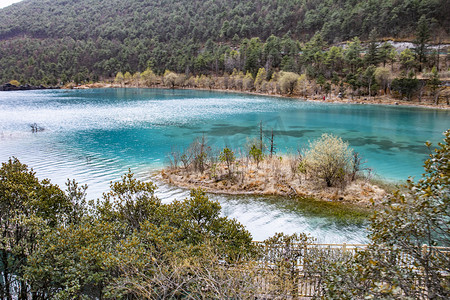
422	40
372	55
384	52
352	54
435	84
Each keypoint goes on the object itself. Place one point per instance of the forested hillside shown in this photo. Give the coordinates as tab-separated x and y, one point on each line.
49	41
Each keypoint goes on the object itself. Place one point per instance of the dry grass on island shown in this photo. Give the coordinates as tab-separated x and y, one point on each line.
327	170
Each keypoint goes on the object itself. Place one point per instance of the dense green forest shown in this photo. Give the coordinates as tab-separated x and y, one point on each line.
53	41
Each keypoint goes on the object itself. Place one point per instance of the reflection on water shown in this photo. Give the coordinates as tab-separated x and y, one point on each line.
94	136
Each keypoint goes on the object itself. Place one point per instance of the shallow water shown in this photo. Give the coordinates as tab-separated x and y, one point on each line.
94	136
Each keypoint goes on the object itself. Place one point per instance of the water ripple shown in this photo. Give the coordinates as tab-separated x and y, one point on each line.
95	136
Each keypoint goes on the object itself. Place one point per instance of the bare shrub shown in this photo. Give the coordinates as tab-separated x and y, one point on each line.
170	79
330	159
192	277
358	166
186	159
281	255
294	162
199	150
174	157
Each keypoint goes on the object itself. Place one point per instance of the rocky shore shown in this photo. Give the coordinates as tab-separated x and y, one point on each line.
11	87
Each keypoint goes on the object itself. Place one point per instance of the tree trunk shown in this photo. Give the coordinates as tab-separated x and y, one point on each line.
260	136
438	49
23	290
436	99
271	145
6	275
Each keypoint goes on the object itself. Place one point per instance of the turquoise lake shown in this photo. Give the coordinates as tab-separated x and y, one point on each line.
95	136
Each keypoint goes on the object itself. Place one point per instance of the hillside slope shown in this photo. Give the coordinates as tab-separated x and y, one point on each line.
53	40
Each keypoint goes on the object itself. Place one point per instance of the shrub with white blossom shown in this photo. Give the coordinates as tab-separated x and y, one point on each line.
330	159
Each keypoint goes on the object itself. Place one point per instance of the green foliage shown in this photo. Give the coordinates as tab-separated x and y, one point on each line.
352	54
385	52
130	202
405	86
29	208
402	260
407	59
372	56
96	42
131	245
22	193
423	37
288	82
334	59
422	209
256	153
75	261
412	218
227	156
52	248
272	51
252	51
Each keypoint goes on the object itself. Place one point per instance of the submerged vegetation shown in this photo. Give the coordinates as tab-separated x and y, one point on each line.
342	213
304	47
56	245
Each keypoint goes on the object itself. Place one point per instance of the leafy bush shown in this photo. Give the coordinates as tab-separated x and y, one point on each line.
404	259
405	86
288	82
54	245
256	154
227	157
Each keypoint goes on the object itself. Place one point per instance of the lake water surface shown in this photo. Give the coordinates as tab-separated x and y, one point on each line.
96	135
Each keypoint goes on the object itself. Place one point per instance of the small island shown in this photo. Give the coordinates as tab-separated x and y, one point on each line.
327	170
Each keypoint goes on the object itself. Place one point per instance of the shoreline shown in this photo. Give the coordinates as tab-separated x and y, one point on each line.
346	212
362	193
380	100
274	177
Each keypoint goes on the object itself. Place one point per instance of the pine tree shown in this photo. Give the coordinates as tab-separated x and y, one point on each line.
422	38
